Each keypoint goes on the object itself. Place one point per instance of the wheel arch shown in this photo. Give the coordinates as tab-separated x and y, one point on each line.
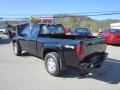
48	50
15	41
58	51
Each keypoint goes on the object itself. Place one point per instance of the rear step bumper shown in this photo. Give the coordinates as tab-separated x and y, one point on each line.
93	62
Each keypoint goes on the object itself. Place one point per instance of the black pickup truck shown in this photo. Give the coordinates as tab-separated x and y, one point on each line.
49	42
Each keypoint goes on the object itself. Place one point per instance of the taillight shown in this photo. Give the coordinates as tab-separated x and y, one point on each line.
80	51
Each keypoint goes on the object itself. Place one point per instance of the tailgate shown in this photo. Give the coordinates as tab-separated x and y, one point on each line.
94	45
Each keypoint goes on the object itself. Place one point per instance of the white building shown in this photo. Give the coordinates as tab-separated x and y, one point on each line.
115	25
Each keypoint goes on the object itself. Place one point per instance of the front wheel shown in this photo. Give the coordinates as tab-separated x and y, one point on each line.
16	49
52	63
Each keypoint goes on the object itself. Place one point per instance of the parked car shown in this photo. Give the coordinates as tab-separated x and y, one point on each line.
112	35
82	32
12	30
49	42
68	31
2	31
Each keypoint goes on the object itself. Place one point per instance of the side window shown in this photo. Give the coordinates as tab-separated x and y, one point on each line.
26	32
34	31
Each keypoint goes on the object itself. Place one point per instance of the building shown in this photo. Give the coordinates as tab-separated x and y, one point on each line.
115	25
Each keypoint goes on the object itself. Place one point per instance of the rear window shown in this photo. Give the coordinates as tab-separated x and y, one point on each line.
115	30
52	29
82	30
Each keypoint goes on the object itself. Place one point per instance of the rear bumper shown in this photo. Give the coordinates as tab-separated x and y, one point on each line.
112	41
91	63
100	62
87	62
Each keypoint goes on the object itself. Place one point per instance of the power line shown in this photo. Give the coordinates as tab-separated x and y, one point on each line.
22	14
97	12
88	15
102	13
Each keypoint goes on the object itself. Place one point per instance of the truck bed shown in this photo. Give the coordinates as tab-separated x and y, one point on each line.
63	36
91	45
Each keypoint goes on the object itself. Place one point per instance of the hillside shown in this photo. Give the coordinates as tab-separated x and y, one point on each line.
83	21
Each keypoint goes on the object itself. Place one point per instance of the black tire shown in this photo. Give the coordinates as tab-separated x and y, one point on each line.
16	49
55	58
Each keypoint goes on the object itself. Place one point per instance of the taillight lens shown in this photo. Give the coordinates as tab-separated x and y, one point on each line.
80	51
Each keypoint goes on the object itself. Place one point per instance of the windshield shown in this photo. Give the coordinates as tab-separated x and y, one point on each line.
115	30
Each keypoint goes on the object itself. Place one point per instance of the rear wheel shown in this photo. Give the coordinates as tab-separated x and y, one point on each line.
52	64
16	49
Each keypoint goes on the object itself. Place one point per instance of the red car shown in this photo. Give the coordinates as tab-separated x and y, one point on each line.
112	35
68	31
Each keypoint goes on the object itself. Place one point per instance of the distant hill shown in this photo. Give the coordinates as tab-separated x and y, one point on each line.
72	21
83	21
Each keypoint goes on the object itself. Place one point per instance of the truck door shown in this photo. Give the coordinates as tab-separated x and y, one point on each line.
33	39
24	38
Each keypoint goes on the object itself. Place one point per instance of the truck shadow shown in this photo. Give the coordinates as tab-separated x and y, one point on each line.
4	41
25	54
116	45
109	72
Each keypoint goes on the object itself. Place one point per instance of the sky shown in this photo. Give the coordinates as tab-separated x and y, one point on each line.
25	8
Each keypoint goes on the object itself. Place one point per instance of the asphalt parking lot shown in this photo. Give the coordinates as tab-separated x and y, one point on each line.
28	73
